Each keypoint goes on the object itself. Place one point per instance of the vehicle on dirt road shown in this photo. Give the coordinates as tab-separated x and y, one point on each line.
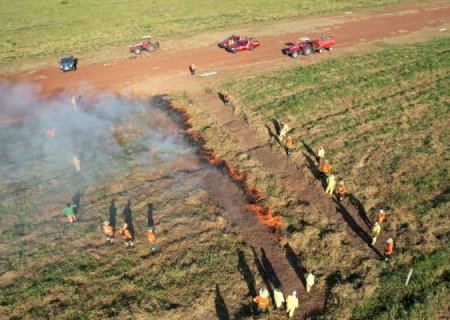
146	45
306	46
243	44
68	63
229	41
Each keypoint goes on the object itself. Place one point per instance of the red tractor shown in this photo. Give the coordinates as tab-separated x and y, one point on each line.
146	45
307	46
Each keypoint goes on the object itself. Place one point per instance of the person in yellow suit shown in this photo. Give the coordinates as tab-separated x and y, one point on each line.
278	297
331	180
375	232
291	303
310	279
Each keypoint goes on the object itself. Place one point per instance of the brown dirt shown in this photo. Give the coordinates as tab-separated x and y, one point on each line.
167	72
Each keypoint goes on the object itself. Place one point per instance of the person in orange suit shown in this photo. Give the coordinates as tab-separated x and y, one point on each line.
108	229
325	168
341	190
288	146
151	239
127	236
389	249
262	301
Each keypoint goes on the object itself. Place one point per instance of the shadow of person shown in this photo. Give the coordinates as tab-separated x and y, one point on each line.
277	125
221	307
310	150
360	208
150	221
262	272
272	136
113	214
295	263
221	96
270	272
355	227
312	166
76	199
246	273
128	217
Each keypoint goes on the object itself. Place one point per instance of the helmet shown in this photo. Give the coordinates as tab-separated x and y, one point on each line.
294	293
150	229
341	182
381	210
264	293
326	161
375	224
106	223
390	240
125	226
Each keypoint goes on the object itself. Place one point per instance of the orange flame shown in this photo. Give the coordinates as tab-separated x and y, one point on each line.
263	212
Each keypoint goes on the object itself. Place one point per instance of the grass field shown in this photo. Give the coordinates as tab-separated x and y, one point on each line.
383	120
33	29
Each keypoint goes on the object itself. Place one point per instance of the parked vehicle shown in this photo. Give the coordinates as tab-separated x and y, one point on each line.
68	63
306	46
243	44
230	40
146	45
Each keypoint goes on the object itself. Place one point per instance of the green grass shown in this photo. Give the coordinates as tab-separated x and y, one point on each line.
421	299
36	28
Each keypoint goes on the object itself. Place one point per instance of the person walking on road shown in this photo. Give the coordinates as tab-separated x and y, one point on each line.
278	297
310	279
375	232
262	301
108	229
389	249
69	212
331	184
192	68
341	190
291	303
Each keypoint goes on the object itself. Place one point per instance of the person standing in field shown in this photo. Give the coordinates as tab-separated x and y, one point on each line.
381	215
325	168
278	297
262	301
320	155
226	98
389	249
331	184
288	146
284	128
291	303
108	229
151	238
126	236
310	279
69	212
375	232
341	190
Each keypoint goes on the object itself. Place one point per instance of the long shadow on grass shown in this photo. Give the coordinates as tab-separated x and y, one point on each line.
360	208
312	166
76	199
128	217
221	307
150	221
263	273
310	150
244	269
113	214
270	272
355	227
295	264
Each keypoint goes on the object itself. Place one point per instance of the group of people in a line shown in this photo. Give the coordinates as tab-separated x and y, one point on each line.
290	304
325	171
127	236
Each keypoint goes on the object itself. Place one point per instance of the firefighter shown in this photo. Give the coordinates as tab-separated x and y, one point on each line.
69	212
192	68
389	249
126	235
283	132
226	98
341	190
331	184
278	297
325	168
310	278
375	232
381	215
108	229
151	238
320	155
291	303
288	146
262	301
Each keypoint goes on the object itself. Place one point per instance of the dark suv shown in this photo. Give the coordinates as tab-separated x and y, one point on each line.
68	63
